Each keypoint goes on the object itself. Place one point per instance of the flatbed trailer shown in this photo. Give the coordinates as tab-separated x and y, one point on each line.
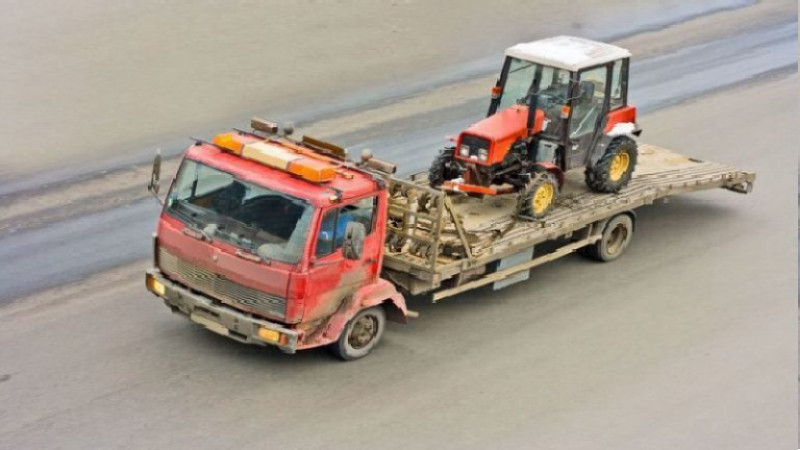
445	244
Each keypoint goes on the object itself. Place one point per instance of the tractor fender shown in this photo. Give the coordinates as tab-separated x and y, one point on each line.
381	293
628	129
554	169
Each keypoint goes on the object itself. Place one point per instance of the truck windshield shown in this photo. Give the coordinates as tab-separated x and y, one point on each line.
255	219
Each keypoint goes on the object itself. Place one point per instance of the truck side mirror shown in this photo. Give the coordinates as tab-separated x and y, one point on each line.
354	234
154	186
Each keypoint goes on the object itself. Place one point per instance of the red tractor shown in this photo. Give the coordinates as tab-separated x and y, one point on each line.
560	103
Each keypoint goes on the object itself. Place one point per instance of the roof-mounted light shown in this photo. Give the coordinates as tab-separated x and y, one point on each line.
284	159
232	141
263	125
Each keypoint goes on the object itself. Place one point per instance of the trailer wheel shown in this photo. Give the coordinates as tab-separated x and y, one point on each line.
613	170
617	234
443	167
361	335
536	200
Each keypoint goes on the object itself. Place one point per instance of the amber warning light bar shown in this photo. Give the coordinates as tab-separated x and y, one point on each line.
278	157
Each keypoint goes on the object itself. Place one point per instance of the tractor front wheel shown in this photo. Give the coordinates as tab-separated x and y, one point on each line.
536	200
443	167
613	170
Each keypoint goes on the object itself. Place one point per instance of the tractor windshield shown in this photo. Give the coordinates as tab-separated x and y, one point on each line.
253	218
519	85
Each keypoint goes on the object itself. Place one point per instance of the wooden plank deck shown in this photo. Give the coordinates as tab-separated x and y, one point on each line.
493	231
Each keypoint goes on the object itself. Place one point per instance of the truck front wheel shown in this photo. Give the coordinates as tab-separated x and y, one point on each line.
361	335
616	236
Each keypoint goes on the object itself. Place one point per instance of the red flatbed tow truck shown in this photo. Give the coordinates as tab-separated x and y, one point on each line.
274	241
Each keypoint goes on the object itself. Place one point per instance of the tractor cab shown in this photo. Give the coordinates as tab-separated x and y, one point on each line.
574	83
558	104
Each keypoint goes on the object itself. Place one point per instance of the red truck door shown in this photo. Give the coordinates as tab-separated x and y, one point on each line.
331	276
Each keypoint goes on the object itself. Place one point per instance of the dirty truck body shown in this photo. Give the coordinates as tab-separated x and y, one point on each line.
273	241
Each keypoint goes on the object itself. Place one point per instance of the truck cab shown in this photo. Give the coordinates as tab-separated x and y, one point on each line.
270	241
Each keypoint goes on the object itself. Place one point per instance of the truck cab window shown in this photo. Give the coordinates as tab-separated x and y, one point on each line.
334	224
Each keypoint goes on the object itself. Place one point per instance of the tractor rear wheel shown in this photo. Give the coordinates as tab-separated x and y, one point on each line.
613	170
536	200
443	167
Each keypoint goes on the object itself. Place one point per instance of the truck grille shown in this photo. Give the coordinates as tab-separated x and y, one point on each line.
217	286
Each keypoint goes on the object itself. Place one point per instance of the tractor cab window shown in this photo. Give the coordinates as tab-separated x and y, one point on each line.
616	98
518	82
588	104
519	85
334	223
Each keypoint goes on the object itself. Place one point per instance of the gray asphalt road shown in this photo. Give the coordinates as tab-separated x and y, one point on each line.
689	341
73	249
686	342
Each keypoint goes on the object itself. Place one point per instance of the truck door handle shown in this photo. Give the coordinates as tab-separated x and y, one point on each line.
326	263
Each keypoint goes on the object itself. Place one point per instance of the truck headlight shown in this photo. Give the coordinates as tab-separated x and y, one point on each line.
464	150
155	286
272	336
483	154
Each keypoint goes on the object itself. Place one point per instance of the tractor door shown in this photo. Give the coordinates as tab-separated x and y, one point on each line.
588	107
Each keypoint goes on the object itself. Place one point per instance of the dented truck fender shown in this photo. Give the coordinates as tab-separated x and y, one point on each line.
381	293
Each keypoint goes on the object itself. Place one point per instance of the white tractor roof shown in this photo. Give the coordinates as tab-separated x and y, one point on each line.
567	52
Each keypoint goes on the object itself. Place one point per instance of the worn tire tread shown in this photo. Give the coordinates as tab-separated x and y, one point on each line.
597	176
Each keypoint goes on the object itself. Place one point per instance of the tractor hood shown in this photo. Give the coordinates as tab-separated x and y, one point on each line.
498	132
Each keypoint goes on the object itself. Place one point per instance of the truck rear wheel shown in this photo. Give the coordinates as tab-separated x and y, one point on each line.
361	334
617	234
614	169
536	200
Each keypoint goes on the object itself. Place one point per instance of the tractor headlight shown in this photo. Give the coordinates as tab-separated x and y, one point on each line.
464	150
483	154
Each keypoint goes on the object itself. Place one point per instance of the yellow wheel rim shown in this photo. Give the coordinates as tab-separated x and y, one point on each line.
619	165
543	197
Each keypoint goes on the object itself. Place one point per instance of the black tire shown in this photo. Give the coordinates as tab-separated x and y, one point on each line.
607	175
617	234
538	197
361	334
443	167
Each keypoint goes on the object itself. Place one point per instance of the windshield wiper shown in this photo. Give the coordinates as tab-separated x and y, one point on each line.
251	256
191	232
